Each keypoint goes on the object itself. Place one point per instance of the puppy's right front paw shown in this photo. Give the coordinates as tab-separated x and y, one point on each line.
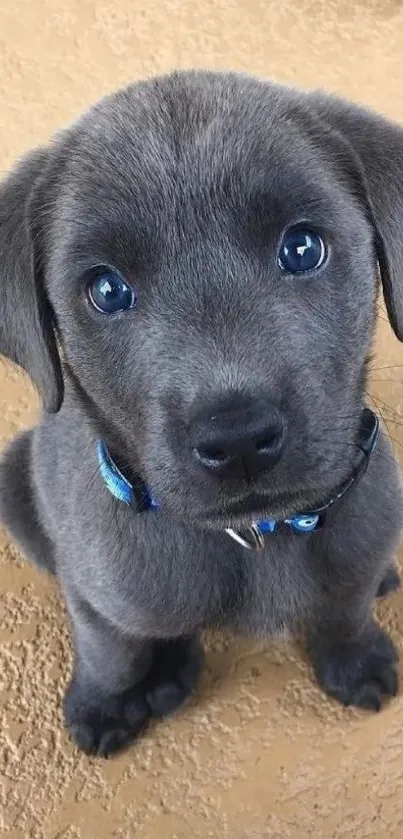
104	725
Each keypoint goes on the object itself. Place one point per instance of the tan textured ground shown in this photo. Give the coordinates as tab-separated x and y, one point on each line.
261	753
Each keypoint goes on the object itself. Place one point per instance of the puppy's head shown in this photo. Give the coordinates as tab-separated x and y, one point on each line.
203	250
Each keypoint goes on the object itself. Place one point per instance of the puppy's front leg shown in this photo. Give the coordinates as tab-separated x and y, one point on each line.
353	658
119	682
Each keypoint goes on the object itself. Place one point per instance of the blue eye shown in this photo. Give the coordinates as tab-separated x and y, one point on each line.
109	293
301	250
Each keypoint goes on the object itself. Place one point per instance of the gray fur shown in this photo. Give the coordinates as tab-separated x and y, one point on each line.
185	184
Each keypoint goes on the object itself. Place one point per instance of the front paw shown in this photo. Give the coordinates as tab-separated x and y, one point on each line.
100	723
103	723
362	674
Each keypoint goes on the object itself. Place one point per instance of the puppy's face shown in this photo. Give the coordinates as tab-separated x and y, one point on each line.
208	256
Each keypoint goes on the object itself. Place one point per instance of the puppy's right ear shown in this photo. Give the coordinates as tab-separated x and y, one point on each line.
27	323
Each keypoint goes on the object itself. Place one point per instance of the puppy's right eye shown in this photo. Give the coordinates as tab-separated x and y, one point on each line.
109	293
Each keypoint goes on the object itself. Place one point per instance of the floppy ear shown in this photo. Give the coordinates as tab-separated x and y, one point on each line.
27	333
377	145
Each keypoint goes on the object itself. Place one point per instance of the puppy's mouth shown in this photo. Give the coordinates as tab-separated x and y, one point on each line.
255	507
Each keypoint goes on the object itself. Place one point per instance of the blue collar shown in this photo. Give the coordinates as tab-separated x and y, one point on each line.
139	496
136	494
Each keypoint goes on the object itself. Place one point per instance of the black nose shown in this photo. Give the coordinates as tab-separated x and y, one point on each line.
241	440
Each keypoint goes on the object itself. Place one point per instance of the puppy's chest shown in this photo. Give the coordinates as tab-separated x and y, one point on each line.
190	579
277	588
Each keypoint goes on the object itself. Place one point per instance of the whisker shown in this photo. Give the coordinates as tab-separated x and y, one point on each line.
388	367
377	399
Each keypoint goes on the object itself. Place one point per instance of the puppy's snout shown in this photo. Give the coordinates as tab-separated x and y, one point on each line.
239	441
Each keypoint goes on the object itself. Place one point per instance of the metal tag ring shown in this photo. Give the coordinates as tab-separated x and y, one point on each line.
252	538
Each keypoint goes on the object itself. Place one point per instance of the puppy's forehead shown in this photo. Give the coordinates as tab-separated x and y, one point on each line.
162	120
191	147
155	134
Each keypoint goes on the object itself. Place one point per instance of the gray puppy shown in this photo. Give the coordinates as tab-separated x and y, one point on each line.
189	274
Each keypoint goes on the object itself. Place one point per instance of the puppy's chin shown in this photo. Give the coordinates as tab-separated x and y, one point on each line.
257	508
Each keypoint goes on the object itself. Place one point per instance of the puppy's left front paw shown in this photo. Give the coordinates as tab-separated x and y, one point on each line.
362	674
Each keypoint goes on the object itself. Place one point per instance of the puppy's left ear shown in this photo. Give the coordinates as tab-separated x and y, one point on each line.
377	145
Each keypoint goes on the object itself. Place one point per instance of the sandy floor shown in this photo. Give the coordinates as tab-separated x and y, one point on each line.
261	753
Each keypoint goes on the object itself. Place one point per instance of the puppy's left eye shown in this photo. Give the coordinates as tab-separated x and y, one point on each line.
109	294
301	250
